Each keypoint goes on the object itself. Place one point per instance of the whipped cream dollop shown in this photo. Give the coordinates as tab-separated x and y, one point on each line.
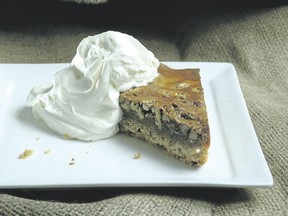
83	101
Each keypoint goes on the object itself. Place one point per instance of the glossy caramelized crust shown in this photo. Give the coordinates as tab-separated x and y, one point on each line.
170	112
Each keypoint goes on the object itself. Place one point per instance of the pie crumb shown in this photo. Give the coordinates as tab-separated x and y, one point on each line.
137	156
27	153
47	151
72	162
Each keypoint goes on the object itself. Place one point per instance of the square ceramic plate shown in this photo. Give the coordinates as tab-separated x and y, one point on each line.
235	155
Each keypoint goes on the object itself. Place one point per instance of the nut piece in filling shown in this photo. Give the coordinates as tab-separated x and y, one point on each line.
171	113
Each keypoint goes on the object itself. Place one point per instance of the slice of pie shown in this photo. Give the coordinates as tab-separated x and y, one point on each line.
171	113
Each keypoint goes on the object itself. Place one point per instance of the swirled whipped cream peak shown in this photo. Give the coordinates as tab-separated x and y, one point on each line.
83	101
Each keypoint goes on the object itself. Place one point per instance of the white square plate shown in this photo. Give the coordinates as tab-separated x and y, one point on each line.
235	155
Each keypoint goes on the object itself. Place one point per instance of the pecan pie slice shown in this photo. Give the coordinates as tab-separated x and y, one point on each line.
169	112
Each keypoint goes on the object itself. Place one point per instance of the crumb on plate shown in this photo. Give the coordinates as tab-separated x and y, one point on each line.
137	155
72	161
27	153
47	151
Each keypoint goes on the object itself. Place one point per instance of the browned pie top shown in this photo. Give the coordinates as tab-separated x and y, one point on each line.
178	93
